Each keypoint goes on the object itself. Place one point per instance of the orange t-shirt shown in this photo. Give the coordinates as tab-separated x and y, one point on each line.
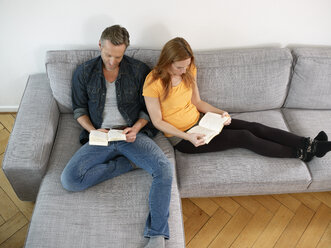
177	109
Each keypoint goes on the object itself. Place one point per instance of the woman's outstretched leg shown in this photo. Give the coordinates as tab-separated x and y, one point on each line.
231	138
269	133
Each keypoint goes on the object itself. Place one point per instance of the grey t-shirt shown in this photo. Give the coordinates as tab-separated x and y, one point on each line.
112	118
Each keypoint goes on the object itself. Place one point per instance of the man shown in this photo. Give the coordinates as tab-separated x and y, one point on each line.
107	93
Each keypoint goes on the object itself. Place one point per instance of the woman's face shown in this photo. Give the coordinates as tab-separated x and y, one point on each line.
178	68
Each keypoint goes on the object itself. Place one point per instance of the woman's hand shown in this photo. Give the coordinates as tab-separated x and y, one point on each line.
196	139
228	122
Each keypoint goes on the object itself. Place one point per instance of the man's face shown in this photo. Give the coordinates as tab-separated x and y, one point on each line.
111	55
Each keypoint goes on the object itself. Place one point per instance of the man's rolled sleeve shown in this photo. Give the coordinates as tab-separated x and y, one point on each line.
143	115
78	112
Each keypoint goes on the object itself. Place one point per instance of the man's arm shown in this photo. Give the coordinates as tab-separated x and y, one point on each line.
86	123
79	101
145	70
131	132
79	95
140	123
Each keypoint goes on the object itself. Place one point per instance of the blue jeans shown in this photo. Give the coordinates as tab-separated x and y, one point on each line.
91	165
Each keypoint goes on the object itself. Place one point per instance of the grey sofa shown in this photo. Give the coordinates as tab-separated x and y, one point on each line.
285	88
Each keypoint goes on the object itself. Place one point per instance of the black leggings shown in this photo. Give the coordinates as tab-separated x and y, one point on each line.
261	139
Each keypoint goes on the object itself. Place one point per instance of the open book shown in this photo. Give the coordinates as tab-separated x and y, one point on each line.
210	125
98	138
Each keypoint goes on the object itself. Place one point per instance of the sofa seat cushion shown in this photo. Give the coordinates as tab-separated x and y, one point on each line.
110	214
309	123
240	171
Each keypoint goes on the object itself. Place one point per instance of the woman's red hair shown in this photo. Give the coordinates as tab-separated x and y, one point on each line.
174	50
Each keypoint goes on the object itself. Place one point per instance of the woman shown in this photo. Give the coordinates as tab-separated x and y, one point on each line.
174	104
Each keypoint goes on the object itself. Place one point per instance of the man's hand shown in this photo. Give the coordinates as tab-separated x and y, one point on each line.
103	130
196	139
130	133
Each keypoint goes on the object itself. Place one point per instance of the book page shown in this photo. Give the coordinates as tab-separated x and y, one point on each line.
209	134
213	121
98	138
115	135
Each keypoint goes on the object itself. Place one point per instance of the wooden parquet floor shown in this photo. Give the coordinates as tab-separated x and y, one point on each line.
15	214
280	221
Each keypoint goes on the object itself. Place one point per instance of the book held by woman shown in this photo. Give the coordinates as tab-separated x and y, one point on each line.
211	124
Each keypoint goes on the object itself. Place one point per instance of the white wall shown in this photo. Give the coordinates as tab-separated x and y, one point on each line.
29	28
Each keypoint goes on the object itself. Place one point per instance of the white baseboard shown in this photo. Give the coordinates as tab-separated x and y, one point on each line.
8	109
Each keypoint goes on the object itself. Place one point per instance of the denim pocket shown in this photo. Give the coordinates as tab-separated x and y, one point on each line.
130	97
93	93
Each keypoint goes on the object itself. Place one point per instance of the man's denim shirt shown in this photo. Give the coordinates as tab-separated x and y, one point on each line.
89	93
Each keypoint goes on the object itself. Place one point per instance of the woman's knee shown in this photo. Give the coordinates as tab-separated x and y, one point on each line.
257	128
241	138
249	136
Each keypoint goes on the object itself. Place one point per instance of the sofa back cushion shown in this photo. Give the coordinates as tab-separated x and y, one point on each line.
235	80
310	86
239	80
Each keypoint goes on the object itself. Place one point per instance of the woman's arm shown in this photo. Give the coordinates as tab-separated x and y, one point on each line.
154	110
204	107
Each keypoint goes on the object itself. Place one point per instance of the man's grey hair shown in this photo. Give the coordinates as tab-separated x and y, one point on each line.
117	35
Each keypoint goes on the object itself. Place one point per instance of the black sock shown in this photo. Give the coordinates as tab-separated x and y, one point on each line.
321	136
309	150
322	147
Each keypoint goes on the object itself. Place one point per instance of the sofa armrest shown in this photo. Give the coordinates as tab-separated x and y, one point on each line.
31	141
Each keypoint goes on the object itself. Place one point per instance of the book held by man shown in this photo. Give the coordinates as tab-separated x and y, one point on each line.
98	138
211	124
